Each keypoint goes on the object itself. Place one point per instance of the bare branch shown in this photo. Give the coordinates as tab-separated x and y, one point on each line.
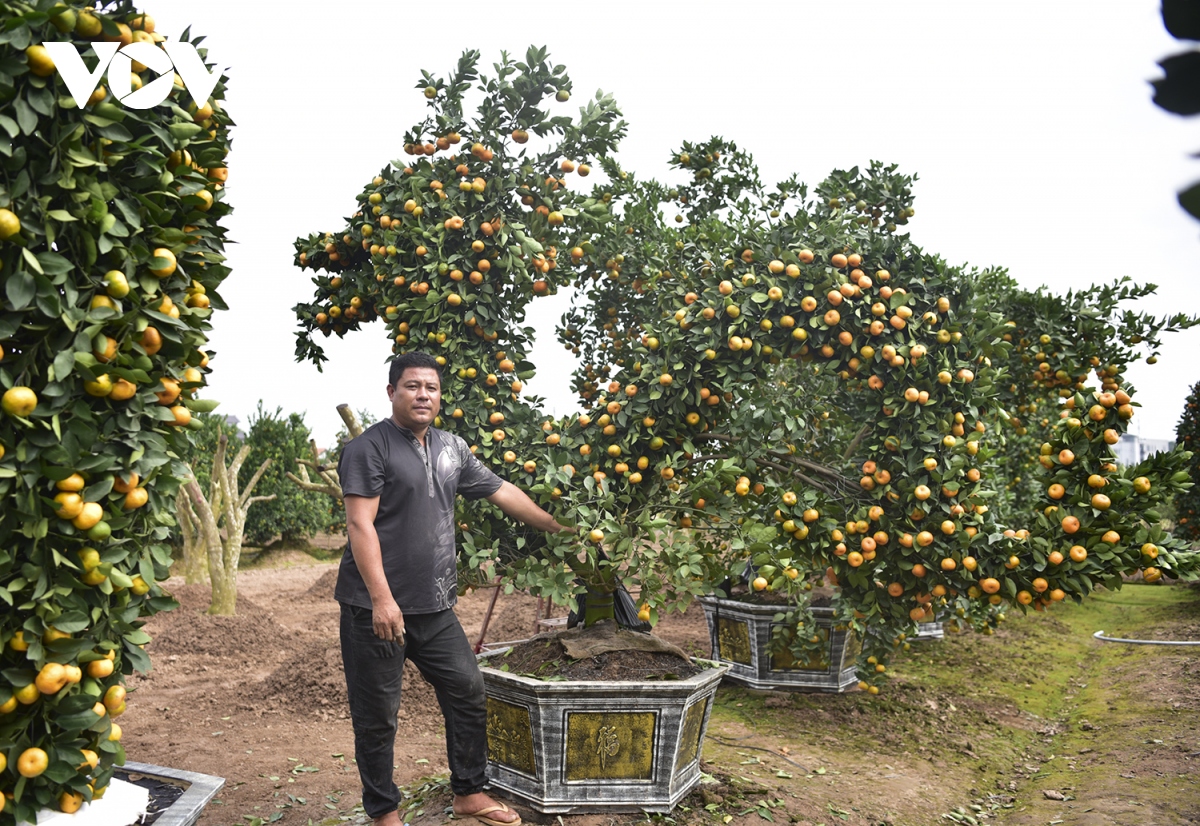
253	481
805	463
238	460
305	484
802	477
218	470
712	456
208	522
350	419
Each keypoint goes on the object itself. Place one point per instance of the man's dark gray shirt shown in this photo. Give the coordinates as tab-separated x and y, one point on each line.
416	486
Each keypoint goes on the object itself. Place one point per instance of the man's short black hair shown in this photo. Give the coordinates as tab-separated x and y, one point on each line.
411	360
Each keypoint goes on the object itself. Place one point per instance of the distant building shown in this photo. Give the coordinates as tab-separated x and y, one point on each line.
1133	450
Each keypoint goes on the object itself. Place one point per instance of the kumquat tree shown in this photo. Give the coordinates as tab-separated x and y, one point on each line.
769	375
110	255
1187	436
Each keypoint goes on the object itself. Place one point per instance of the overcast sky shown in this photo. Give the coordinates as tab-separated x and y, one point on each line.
1029	123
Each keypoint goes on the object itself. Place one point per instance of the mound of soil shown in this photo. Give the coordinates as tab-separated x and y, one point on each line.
190	630
322	589
311	682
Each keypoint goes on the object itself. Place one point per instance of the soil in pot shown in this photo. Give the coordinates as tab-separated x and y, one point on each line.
597	653
819	598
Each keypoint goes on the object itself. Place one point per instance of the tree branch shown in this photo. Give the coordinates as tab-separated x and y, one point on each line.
862	434
802	477
208	522
350	419
238	461
217	473
697	459
306	484
243	502
805	463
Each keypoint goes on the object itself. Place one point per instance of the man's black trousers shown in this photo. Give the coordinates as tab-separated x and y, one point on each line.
439	648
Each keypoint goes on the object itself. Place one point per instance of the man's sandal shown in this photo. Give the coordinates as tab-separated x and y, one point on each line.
481	816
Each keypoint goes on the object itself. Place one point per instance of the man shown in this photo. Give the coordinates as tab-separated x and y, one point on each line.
397	586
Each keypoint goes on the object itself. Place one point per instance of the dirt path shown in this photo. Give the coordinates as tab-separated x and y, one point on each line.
985	725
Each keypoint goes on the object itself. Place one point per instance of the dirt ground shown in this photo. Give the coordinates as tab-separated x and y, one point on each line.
964	733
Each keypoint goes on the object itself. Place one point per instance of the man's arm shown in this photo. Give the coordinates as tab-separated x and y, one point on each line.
513	501
364	545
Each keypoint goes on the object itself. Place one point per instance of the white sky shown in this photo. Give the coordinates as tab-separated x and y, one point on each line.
1029	123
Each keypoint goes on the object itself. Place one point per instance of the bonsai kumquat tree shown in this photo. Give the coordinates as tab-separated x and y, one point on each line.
110	257
716	323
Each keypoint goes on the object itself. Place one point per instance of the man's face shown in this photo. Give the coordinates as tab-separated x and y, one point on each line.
416	397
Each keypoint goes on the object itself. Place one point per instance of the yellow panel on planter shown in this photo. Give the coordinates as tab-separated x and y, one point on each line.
818	662
610	745
510	736
689	737
733	637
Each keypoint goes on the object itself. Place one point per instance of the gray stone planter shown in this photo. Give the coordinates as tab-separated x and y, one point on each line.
927	631
198	790
740	633
590	746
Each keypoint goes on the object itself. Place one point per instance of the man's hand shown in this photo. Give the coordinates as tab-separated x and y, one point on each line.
567	529
388	621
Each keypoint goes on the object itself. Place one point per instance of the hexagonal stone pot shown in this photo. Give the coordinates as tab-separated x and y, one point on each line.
198	790
740	634
591	746
928	631
143	793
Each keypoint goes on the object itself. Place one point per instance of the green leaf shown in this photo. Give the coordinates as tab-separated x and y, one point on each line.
20	289
97	491
1189	199
26	117
32	261
60	771
54	264
201	405
137	637
64	364
184	131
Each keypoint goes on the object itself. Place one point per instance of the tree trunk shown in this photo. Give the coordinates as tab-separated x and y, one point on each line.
599	605
225	508
195	558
